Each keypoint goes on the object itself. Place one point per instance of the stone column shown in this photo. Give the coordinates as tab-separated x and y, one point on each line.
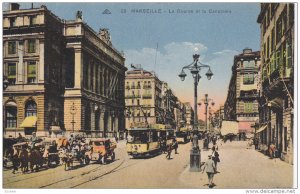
92	118
78	68
101	120
41	67
20	64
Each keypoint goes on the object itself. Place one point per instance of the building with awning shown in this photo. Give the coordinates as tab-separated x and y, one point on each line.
29	122
229	127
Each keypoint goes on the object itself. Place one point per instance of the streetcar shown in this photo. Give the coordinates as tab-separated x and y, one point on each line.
166	133
143	141
183	135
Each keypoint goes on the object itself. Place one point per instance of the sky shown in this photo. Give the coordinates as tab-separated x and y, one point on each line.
165	39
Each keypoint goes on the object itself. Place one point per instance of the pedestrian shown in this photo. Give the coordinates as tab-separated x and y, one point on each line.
20	137
33	140
169	151
215	157
210	170
175	145
272	149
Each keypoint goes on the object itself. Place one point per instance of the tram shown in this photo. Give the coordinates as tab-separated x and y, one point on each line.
143	141
183	135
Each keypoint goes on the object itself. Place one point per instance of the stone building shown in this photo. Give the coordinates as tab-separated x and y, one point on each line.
34	65
242	99
94	93
189	115
277	78
169	105
143	97
62	75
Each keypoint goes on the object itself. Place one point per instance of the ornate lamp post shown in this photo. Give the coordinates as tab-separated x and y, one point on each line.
73	112
195	70
206	101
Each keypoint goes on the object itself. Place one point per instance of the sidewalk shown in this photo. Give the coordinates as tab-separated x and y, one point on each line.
242	168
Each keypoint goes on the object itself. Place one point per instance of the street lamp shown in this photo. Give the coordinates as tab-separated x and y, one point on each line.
206	101
5	82
73	112
195	69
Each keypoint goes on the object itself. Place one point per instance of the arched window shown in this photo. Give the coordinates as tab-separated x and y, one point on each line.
30	109
11	115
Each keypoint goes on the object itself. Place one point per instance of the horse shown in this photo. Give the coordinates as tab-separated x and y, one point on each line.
67	159
23	158
36	159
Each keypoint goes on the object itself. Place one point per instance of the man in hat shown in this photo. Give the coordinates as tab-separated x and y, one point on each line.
33	140
210	170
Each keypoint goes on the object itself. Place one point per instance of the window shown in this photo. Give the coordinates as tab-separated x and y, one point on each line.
138	85
138	102
31	46
31	72
11	117
248	64
289	52
12	48
12	22
12	72
248	79
32	20
30	109
248	107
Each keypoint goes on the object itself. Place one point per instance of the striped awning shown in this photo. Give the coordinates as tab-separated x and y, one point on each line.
29	122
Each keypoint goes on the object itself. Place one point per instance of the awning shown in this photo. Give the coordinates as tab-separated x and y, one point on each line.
29	122
11	103
261	129
245	126
229	127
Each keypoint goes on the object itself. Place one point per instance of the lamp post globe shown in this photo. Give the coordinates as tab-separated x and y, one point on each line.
182	75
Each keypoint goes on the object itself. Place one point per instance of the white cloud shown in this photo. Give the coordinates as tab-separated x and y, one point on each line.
172	57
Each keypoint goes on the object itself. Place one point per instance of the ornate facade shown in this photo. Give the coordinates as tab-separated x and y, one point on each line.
277	78
61	72
242	100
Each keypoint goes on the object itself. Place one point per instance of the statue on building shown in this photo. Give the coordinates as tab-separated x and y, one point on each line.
79	15
105	35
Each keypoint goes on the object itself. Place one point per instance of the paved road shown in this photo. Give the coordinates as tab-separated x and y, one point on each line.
239	168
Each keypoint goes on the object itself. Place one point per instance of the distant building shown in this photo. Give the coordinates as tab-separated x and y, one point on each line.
277	78
242	100
143	97
189	115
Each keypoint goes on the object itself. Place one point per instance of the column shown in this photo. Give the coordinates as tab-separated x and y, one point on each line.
109	124
78	68
40	67
93	118
20	64
101	120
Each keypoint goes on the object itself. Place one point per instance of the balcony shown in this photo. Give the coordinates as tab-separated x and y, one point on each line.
147	96
147	87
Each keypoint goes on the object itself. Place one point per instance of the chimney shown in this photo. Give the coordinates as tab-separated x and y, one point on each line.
14	6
